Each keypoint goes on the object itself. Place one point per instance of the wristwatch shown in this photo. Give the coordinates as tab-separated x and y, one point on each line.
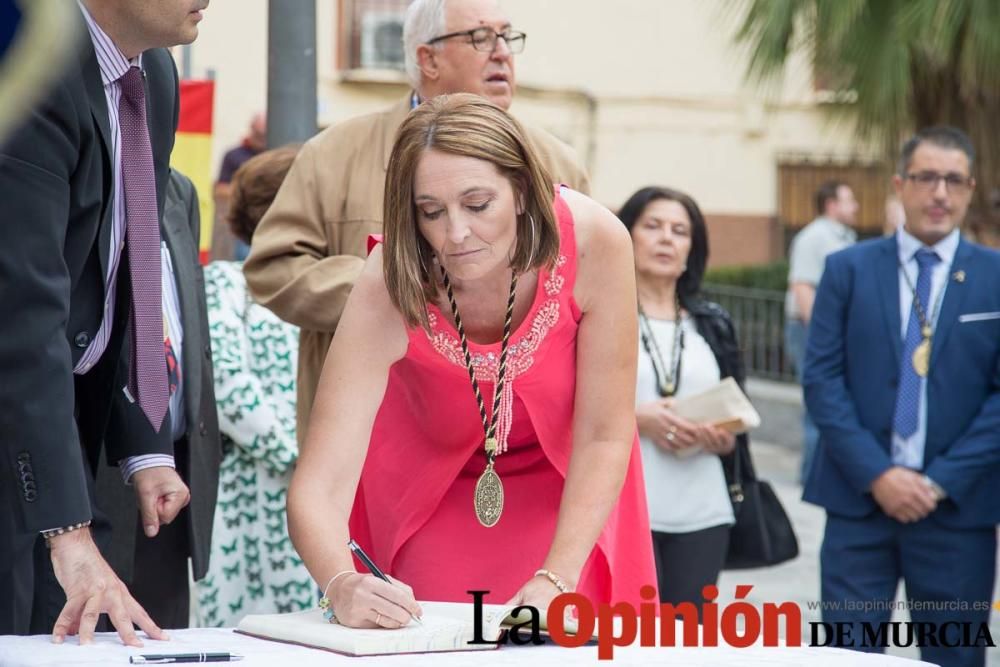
55	532
939	493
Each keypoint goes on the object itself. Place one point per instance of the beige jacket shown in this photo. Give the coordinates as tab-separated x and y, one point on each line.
309	248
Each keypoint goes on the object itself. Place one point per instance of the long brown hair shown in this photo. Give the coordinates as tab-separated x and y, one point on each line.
470	126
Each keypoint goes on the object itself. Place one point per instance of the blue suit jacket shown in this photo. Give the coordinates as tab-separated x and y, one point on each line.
852	369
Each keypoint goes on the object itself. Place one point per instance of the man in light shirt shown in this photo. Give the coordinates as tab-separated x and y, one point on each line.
833	230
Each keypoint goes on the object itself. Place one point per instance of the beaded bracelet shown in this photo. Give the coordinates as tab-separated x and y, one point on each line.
55	532
555	579
324	602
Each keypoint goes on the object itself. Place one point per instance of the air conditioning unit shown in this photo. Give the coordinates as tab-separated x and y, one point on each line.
382	40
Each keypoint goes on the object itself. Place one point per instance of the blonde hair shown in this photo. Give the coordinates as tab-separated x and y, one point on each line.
469	126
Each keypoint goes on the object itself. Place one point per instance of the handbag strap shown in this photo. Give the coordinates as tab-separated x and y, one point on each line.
743	469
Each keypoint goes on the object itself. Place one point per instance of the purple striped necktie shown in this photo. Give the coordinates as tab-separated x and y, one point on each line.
147	369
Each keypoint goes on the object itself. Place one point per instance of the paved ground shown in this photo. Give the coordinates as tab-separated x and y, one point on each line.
798	580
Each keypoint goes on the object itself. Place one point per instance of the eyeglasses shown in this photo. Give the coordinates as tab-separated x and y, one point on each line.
485	39
927	181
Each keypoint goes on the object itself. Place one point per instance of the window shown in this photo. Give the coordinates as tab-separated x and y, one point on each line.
372	34
800	176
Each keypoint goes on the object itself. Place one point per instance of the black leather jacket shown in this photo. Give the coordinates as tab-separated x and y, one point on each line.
716	326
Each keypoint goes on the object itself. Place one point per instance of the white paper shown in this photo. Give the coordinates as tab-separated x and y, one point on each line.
725	402
39	651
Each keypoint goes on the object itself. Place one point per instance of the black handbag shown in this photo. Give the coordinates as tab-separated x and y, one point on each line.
762	534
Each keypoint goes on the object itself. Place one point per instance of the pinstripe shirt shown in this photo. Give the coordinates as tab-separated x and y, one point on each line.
113	65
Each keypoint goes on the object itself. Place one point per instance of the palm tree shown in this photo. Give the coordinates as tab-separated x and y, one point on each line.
905	64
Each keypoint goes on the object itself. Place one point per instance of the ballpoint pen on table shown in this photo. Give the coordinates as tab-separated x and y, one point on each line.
167	658
372	567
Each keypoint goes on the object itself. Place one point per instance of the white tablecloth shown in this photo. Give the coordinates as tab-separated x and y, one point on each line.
36	651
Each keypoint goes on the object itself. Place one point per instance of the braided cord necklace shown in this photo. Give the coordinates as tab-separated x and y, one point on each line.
667	374
488	497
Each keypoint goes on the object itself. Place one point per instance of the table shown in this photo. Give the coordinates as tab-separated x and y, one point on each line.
37	650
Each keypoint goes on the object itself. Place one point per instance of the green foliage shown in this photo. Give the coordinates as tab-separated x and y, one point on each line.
772	276
906	63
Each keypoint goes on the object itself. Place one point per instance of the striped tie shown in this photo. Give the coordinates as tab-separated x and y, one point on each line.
148	369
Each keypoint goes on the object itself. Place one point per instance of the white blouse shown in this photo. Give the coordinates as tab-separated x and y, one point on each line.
685	492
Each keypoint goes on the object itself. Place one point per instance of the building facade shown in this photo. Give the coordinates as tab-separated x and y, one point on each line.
646	91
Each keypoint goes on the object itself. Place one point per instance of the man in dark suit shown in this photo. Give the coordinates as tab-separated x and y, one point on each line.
82	182
903	379
156	569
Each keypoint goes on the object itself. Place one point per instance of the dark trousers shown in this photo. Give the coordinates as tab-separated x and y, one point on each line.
687	562
943	567
160	574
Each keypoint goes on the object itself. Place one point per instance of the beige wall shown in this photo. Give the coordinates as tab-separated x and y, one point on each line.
647	91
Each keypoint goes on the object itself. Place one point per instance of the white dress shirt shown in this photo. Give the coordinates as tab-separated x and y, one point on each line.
909	452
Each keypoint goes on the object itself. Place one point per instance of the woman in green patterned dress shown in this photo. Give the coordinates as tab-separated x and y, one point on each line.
253	566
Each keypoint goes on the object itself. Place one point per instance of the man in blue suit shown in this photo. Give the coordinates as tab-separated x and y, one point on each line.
902	376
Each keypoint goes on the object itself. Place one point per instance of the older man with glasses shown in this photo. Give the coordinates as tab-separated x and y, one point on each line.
309	248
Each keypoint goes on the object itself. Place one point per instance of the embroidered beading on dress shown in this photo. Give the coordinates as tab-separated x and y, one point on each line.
519	353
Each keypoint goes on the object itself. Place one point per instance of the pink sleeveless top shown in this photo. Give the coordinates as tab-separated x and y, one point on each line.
414	505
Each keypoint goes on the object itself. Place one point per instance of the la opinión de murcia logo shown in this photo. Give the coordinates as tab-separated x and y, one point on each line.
738	624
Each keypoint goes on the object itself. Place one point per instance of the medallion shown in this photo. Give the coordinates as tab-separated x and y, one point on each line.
922	357
489	497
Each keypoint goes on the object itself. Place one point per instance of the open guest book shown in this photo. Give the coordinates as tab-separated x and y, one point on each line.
447	626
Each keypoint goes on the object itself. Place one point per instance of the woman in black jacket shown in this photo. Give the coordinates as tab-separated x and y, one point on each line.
687	345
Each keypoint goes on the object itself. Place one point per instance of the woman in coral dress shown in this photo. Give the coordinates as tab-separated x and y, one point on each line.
407	455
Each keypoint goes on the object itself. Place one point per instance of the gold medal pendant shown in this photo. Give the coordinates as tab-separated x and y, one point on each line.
922	357
489	497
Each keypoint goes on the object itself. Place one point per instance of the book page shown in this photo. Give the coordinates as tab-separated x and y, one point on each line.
494	615
446	626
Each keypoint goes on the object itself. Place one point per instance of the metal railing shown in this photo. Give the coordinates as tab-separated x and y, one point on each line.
759	318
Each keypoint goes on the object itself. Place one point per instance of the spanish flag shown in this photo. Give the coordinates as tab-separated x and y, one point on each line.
192	154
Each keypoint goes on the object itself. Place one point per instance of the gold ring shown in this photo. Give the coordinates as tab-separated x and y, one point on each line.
378	617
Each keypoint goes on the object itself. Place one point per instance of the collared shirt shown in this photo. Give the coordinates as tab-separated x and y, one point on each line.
113	65
910	452
173	335
807	254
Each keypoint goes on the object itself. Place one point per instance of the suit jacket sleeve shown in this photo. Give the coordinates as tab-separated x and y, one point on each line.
976	453
854	449
290	269
37	175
